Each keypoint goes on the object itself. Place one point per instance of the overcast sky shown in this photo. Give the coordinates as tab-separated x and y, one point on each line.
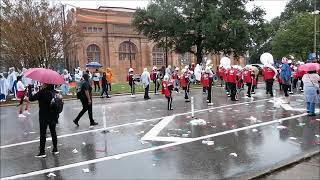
273	7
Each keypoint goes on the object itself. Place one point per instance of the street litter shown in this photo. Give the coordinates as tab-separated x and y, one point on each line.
209	143
260	106
86	170
236	110
51	175
148	109
84	143
117	157
75	151
210	110
143	142
301	124
293	138
254	130
188	117
282	127
185	135
252	118
114	131
198	122
233	154
153	164
224	124
220	111
141	132
220	148
32	132
317	135
317	119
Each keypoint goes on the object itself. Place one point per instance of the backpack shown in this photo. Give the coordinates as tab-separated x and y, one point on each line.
56	105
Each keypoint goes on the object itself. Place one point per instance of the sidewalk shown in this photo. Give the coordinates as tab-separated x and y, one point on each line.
308	169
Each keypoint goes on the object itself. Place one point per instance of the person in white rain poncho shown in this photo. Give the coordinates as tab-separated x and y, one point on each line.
65	87
77	78
12	78
145	80
3	88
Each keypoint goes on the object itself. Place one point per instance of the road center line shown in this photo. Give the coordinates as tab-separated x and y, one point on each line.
147	149
127	124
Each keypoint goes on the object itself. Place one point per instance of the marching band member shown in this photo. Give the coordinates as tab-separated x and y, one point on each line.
204	81
185	83
298	77
232	81
130	79
269	74
248	78
222	74
175	77
208	80
155	78
167	87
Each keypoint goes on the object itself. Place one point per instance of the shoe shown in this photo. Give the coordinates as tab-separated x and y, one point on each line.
76	122
312	114
171	109
271	95
210	104
187	100
207	100
108	97
41	155
55	152
301	90
21	116
133	96
290	92
252	92
101	97
93	124
26	112
229	95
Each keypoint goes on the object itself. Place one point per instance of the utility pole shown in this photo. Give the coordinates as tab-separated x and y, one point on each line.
130	53
166	51
66	63
315	29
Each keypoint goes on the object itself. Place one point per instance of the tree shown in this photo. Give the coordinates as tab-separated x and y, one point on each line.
295	38
198	26
32	34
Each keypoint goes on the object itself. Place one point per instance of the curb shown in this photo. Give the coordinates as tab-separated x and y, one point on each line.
258	174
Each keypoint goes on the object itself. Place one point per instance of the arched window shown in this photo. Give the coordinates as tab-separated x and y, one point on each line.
158	56
93	53
184	59
126	49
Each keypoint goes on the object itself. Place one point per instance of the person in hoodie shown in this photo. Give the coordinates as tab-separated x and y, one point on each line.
285	76
145	80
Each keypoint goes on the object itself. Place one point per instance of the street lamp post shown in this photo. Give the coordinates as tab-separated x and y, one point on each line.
166	52
315	28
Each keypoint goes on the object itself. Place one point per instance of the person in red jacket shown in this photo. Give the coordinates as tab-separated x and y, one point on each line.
269	74
248	79
232	80
167	87
185	83
208	80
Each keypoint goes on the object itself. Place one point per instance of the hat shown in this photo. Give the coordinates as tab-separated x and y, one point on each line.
130	70
154	68
177	69
284	60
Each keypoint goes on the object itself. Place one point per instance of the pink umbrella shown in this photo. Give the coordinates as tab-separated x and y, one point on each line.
46	76
309	67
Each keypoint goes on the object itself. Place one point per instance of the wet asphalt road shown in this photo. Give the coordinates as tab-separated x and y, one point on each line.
244	136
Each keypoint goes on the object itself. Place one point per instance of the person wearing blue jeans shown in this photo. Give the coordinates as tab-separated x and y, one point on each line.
311	82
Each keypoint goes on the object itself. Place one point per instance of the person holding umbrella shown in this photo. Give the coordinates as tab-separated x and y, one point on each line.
86	100
47	116
311	88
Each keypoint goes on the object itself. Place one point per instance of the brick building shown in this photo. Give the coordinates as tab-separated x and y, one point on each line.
107	37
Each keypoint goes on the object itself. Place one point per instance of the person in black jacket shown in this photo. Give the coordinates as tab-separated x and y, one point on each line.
86	100
46	117
104	85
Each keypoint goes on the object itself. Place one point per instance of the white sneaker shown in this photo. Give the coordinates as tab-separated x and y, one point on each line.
133	96
210	104
290	92
207	100
21	116
26	112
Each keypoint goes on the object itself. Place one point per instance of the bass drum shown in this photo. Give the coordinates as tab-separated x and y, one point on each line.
215	78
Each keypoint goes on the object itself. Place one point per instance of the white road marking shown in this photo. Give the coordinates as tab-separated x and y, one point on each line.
189	140
127	124
157	128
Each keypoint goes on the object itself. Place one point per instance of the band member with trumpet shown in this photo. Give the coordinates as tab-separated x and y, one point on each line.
167	87
130	79
232	80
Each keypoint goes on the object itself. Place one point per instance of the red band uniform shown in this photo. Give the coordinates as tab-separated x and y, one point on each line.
268	75
232	81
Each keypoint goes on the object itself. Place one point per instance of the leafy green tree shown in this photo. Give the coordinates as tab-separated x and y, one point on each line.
199	26
295	38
